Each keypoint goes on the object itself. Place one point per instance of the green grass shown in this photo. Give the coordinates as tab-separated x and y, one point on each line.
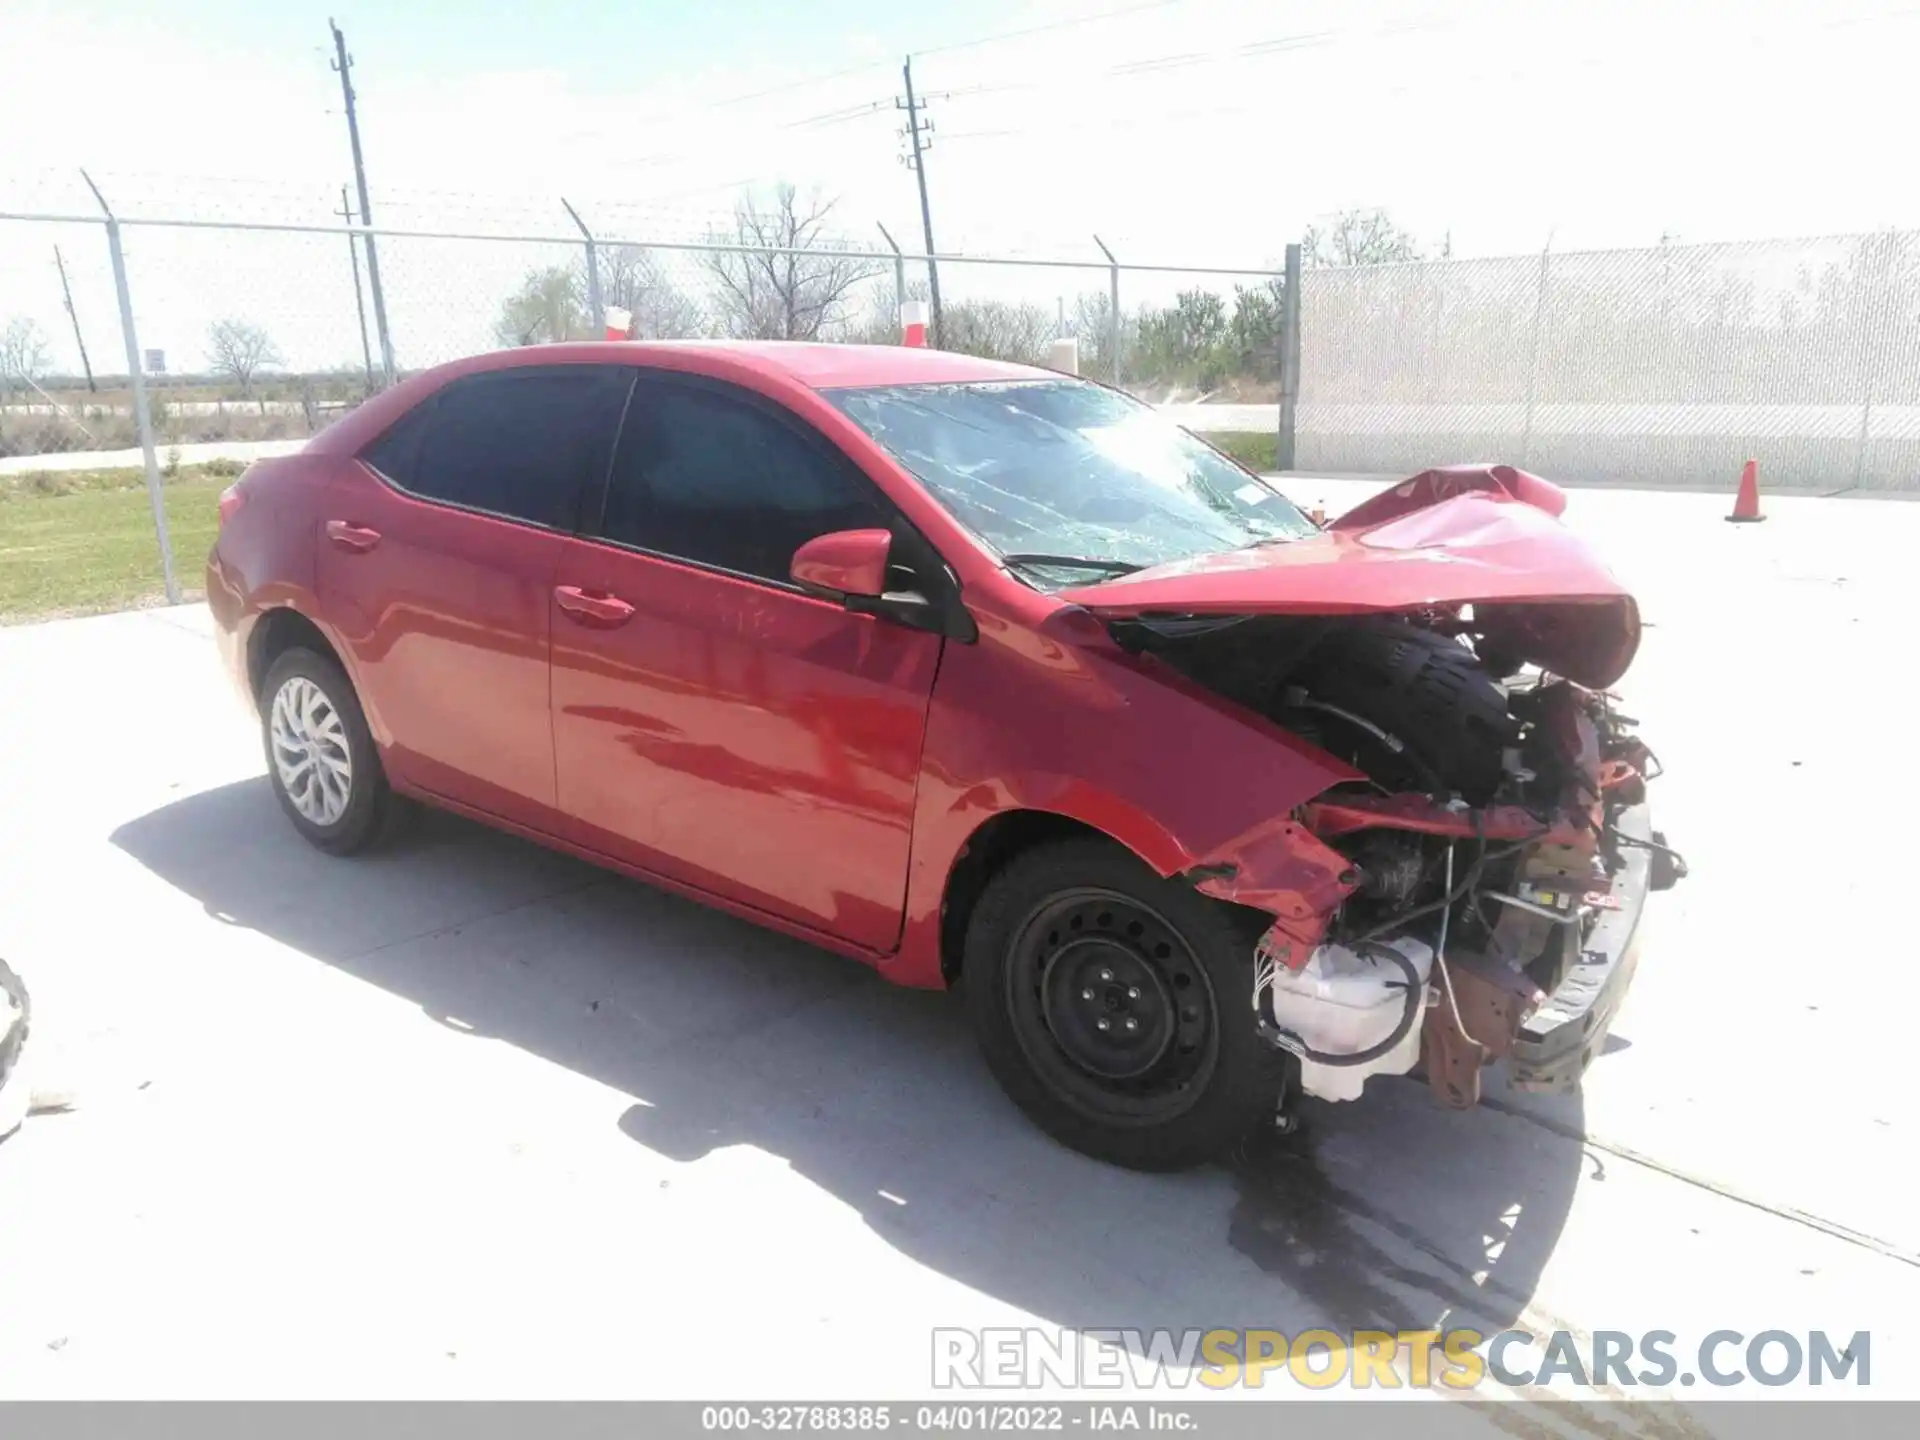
1252	448
93	549
78	542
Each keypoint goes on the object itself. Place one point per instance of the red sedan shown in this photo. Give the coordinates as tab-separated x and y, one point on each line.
983	675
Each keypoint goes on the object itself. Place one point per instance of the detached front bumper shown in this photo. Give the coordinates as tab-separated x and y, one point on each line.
1549	1038
1559	1040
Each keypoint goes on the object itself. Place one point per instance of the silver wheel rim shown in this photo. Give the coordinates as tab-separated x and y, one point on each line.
311	758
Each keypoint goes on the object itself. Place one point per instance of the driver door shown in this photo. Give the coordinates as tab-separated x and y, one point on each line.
713	722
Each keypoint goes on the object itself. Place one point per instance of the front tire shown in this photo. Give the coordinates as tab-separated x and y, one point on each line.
321	759
1427	690
1114	1007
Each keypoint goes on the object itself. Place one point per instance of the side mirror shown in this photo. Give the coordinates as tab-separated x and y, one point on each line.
846	564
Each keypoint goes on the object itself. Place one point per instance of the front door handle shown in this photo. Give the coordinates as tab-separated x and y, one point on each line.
591	608
357	538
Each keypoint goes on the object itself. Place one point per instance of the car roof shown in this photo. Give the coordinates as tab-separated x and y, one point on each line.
770	365
823	366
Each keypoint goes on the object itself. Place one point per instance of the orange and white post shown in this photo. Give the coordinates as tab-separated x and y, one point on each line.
913	323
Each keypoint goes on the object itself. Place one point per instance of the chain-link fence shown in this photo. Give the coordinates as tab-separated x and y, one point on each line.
250	331
1666	365
255	330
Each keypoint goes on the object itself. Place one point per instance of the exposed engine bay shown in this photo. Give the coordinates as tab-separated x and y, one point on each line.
1491	866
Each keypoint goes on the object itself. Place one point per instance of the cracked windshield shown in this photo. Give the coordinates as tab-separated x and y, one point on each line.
1070	481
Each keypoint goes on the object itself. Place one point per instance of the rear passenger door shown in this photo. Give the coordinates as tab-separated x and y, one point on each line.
713	722
436	568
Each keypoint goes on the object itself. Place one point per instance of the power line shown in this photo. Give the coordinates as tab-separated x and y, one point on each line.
1066	24
822	121
807	81
794	85
836	117
1155	65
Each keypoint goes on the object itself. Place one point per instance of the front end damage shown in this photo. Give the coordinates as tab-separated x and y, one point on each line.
1473	892
1500	930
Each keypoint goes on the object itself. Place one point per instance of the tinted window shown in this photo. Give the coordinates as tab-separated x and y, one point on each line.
714	478
523	444
396	454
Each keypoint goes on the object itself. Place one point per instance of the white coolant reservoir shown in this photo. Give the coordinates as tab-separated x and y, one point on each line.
1344	1002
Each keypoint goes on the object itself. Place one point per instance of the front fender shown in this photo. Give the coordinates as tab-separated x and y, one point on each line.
1055	717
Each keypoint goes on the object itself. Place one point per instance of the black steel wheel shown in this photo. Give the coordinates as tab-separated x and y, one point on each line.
1108	999
1105	1002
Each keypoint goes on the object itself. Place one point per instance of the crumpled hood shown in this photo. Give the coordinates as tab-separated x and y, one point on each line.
1481	535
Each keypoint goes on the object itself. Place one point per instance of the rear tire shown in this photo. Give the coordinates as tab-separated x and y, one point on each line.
1113	1006
321	759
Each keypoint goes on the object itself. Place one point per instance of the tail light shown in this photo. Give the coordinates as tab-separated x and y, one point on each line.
231	499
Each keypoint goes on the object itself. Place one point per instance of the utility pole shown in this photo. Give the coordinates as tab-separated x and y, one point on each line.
919	135
343	63
345	212
67	291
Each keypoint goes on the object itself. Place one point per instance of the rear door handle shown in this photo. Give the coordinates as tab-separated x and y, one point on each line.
357	538
590	608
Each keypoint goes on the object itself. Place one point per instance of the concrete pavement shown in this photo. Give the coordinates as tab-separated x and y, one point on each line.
471	1119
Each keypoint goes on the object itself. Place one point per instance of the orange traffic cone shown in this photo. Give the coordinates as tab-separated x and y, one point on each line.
1318	514
1746	505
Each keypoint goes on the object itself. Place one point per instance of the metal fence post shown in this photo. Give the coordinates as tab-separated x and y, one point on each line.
594	304
1867	358
1283	440
1113	310
899	271
1533	357
143	417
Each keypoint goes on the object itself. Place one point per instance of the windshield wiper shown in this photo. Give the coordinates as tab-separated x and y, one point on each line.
1071	562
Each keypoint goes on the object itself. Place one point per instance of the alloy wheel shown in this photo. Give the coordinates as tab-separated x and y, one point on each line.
311	757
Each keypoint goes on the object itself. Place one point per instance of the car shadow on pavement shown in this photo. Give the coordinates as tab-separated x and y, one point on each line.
1392	1213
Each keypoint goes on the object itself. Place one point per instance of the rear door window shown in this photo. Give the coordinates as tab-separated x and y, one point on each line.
523	444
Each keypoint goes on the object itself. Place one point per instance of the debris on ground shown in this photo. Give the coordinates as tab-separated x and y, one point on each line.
16	1012
18	1098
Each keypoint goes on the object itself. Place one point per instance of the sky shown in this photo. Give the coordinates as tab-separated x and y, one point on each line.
1201	132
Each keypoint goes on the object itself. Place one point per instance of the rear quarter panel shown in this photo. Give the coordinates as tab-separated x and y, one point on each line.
264	557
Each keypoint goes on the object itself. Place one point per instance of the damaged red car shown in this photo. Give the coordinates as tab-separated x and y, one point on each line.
993	679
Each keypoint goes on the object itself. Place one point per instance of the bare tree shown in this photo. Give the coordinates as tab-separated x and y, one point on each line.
998	330
239	350
1090	320
23	353
775	291
547	307
1360	237
632	278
